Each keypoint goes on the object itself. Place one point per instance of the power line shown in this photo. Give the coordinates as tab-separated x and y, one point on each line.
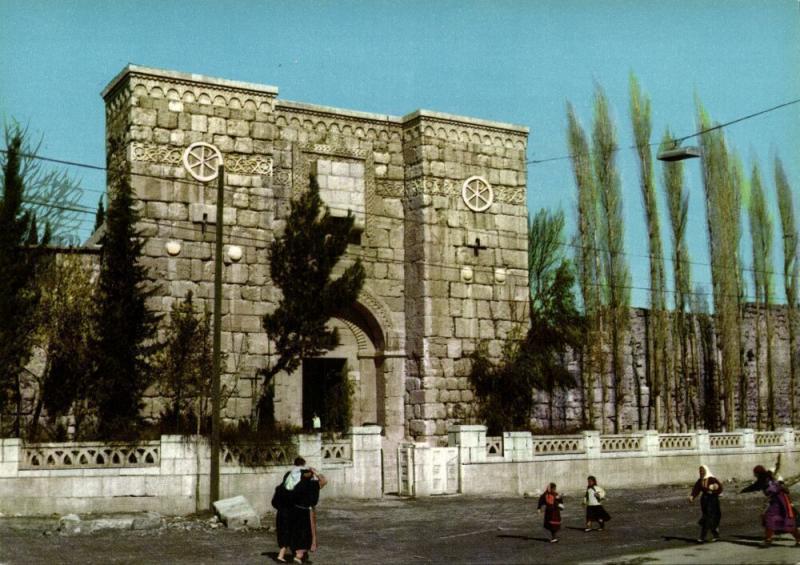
262	243
676	140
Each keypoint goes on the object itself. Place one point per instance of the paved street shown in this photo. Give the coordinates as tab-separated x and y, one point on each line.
653	526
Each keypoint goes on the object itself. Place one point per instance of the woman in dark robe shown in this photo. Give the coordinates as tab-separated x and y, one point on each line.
304	497
708	488
779	516
282	501
552	504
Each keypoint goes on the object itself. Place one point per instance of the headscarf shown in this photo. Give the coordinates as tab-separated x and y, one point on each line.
708	475
293	478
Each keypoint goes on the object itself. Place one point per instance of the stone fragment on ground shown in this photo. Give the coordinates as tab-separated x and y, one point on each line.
72	524
147	521
237	513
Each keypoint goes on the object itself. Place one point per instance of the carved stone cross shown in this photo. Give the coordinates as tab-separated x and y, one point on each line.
476	247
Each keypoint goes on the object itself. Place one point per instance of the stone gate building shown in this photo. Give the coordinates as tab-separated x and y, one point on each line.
440	202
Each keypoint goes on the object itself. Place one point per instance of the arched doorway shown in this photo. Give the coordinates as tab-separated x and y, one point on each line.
360	356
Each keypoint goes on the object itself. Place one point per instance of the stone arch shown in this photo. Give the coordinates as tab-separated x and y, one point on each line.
368	342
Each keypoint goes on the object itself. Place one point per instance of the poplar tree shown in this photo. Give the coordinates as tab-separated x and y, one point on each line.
612	233
678	207
721	186
64	328
790	275
588	267
124	329
761	236
555	321
659	360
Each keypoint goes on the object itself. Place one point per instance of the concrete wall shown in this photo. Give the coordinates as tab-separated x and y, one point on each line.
179	482
527	463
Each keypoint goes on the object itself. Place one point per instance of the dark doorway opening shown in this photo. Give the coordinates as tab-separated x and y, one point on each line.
321	379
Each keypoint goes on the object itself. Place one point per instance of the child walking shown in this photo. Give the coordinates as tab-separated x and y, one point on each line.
552	504
593	499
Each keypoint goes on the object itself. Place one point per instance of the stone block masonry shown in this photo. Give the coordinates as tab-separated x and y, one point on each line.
439	201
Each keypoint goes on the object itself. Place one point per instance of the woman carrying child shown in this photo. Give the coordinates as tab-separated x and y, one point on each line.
593	499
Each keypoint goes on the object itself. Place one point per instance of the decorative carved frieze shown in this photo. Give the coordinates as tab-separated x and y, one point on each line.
335	451
171	88
235	163
460	133
390	188
327	124
447	187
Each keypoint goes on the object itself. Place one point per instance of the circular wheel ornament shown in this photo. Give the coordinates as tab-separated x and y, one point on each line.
202	161
477	194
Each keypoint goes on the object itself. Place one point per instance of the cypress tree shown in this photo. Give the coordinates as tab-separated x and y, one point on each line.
124	337
301	263
18	292
100	215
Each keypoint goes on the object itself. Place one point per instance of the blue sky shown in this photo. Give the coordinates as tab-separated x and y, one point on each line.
515	61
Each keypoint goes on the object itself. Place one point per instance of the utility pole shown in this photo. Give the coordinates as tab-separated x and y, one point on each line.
215	400
204	162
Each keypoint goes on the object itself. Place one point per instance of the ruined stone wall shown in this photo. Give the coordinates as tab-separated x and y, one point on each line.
567	404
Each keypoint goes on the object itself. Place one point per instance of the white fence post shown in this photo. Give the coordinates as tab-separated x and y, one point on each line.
788	438
517	446
748	437
366	453
309	447
591	441
9	457
471	442
703	441
651	444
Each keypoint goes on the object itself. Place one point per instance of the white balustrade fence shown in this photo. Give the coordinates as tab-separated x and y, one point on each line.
527	461
90	455
551	445
171	476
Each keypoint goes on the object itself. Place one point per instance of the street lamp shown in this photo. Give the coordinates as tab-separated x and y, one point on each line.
204	162
679	153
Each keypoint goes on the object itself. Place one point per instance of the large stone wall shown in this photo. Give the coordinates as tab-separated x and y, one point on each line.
427	298
458	295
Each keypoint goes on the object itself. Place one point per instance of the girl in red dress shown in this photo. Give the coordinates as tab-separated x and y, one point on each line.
551	504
